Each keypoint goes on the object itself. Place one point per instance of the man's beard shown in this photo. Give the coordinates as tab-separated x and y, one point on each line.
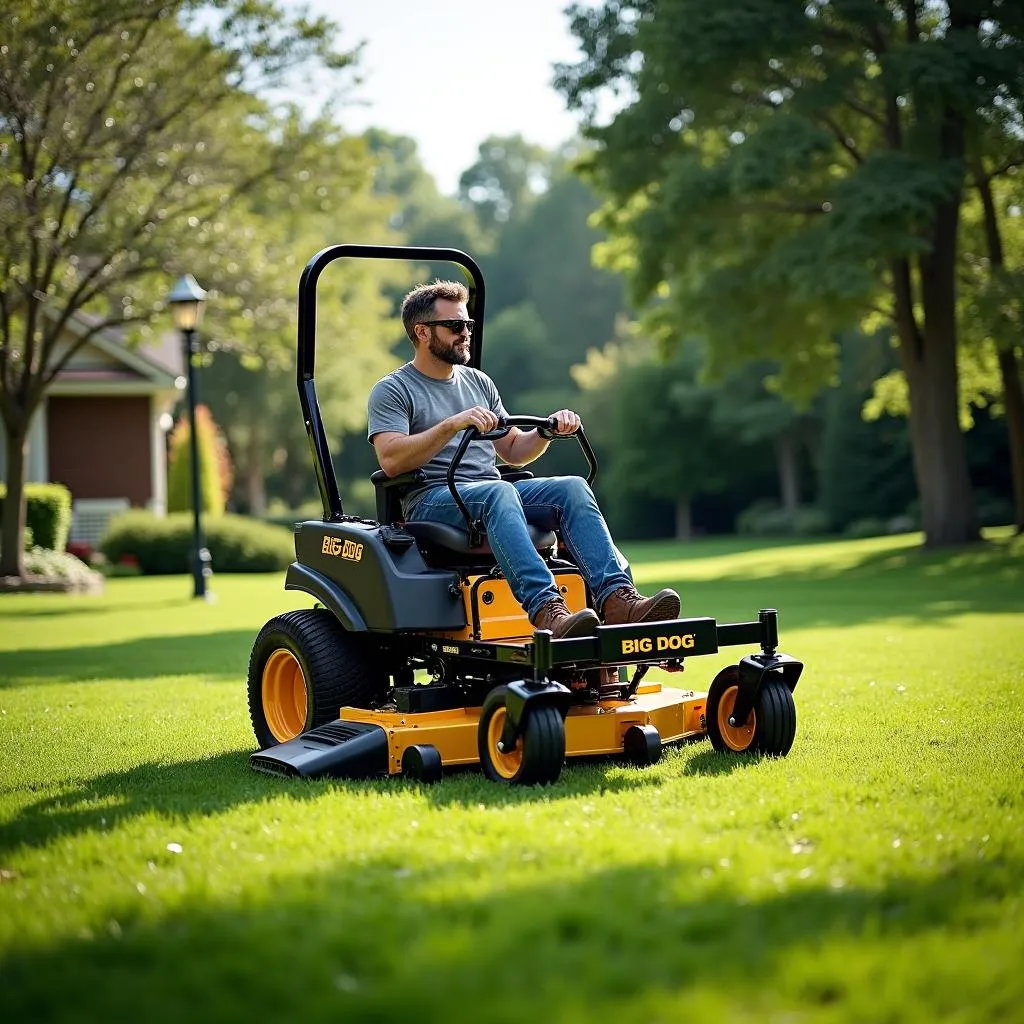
445	351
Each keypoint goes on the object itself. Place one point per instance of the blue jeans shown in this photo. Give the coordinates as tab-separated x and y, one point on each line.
563	503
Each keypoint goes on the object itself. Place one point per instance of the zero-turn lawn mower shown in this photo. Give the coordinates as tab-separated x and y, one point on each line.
418	656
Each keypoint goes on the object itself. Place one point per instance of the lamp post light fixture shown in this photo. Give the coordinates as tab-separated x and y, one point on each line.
186	300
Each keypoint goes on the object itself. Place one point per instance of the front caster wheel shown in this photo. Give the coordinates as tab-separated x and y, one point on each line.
540	748
770	727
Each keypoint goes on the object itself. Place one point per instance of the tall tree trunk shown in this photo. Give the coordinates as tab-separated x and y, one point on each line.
1013	391
939	455
1013	400
787	462
684	520
12	527
929	362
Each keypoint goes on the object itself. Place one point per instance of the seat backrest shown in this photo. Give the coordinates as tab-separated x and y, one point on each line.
389	491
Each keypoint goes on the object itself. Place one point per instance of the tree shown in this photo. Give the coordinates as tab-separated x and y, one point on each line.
1001	309
647	403
866	462
125	130
250	377
214	465
748	411
783	170
506	176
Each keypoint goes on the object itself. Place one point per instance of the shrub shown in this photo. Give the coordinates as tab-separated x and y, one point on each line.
47	515
164	545
214	465
994	509
358	496
57	565
869	526
768	519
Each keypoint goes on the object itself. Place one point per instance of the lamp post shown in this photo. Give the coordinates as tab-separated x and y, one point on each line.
186	301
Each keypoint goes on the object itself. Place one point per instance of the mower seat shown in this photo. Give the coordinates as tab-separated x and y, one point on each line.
431	536
439	542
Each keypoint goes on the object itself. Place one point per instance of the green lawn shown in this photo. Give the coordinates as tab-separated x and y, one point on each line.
876	874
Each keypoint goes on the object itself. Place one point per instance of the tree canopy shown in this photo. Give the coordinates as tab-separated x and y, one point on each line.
126	131
781	171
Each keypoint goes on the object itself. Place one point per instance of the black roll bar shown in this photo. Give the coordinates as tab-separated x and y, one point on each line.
305	360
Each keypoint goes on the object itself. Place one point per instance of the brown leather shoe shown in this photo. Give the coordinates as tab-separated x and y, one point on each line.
627	606
555	615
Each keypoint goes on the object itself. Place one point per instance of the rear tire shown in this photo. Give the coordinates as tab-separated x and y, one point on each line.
303	669
771	726
540	748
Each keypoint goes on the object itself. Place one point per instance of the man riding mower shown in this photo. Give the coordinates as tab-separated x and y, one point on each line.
459	626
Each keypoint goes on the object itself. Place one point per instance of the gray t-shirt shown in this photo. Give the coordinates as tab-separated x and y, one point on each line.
409	402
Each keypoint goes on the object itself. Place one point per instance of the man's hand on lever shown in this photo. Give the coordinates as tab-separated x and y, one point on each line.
483	419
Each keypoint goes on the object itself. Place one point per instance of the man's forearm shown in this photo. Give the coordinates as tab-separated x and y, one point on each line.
402	454
527	445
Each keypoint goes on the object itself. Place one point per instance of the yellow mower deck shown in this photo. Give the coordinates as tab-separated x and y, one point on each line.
590	729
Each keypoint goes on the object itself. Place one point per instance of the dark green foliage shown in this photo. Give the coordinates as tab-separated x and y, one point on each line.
866	470
47	514
781	172
768	519
164	545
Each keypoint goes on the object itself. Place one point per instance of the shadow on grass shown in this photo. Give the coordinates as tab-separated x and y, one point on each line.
186	789
223	653
86	605
210	786
710	763
381	941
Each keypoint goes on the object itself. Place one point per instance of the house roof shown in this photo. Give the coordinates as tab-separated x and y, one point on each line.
108	363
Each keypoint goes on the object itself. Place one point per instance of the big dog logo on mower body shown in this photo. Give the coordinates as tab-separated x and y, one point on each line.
656	641
343	549
646	644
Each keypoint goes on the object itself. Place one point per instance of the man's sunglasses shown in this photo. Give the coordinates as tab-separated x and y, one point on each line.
455	326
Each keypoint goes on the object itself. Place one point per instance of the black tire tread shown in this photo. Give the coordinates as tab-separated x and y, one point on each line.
337	664
543	746
775	710
543	743
776	717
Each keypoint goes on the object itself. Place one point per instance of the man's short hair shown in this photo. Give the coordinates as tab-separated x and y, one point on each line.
419	303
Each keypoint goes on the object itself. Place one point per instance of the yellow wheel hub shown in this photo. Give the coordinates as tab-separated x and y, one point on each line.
284	695
508	764
736	737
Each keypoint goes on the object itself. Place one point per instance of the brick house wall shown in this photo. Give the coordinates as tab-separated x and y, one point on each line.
100	446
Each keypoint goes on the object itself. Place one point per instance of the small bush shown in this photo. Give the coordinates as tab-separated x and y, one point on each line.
57	565
869	526
901	524
163	545
358	498
768	519
994	510
47	515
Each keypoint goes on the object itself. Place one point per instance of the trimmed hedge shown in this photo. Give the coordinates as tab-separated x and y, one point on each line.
47	514
163	545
